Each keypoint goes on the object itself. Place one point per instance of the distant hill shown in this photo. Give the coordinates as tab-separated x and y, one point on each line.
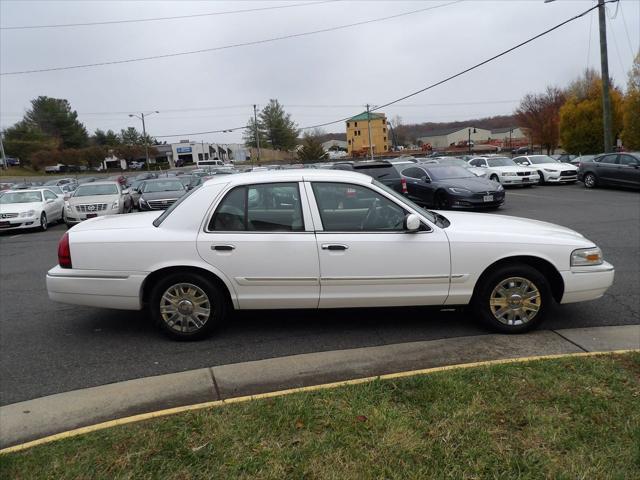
410	132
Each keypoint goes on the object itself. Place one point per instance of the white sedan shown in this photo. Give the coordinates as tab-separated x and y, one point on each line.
506	171
549	169
320	239
30	209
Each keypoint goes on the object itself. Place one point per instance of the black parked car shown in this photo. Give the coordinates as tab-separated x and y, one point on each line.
160	194
615	169
450	186
383	171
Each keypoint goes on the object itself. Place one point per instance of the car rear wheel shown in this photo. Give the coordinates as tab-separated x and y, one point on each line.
512	299
590	180
44	223
187	306
442	200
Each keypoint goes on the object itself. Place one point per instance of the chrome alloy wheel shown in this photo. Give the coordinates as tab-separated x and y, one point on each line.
185	307
515	301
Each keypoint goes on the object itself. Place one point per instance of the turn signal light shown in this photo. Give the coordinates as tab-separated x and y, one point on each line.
64	252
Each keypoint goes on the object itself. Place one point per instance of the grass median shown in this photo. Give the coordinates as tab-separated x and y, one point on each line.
575	417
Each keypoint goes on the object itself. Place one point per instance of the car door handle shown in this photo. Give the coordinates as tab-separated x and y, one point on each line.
333	246
222	248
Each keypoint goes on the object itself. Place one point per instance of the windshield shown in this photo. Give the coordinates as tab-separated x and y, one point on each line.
501	162
458	162
448	172
56	190
185	180
162	186
427	213
20	197
539	159
89	190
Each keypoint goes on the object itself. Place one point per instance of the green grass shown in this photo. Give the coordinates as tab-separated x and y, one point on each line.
563	419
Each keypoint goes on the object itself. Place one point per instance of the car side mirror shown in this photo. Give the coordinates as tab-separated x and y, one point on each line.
411	222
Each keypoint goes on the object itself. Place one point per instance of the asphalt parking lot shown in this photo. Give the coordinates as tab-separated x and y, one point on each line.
48	348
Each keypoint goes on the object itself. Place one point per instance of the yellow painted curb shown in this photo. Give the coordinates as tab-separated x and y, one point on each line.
279	393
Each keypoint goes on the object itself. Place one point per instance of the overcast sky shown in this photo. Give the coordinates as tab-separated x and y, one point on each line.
319	78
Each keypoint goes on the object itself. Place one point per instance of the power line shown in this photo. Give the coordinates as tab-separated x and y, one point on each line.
235	45
624	22
156	19
467	70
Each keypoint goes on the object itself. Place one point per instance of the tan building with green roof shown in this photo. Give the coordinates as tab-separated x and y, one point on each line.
358	134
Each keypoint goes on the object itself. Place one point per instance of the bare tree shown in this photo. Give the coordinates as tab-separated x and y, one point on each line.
539	115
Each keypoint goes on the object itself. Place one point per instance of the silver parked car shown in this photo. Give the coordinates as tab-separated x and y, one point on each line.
96	199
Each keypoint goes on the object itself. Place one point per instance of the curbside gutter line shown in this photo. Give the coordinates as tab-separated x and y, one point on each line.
218	403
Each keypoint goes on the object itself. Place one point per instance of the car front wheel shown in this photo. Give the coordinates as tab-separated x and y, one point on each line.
187	306
541	181
590	180
44	223
442	200
512	299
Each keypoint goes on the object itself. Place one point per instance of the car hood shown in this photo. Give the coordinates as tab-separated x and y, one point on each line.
162	195
561	167
20	207
115	222
93	199
475	184
513	169
501	225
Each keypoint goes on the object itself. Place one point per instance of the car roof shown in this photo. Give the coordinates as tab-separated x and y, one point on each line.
104	182
26	190
293	175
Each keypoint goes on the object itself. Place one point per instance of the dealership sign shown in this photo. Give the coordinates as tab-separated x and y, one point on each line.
183	149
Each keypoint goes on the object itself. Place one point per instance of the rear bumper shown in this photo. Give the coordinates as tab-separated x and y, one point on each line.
587	283
104	289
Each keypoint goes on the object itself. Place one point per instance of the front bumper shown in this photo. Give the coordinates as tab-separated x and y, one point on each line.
96	288
477	201
19	223
73	217
587	283
530	180
557	178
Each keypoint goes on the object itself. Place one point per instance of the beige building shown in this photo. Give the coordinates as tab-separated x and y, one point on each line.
358	134
454	136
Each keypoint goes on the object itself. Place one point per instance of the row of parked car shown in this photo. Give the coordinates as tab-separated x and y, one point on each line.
436	182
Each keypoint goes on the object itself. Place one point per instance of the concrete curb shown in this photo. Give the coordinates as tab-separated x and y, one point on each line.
33	419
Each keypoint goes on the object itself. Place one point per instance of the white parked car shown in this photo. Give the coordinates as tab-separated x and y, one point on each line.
549	169
320	239
506	171
30	209
96	199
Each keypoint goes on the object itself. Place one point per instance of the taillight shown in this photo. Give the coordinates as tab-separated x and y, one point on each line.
64	252
403	181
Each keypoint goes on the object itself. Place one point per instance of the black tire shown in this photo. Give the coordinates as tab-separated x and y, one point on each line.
443	201
541	181
215	299
62	220
484	291
495	178
44	222
590	180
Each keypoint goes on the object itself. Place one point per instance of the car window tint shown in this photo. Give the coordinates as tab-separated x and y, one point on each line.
49	195
274	207
230	214
628	160
413	173
353	208
271	207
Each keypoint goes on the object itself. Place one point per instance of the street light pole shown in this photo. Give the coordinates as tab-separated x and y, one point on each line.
369	128
144	134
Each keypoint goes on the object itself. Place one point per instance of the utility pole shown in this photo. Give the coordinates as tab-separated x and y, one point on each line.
257	133
369	128
604	67
2	155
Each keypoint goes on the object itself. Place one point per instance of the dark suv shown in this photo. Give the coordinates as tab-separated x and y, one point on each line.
615	169
384	172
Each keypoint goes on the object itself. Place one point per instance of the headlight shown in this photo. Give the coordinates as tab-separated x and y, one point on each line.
586	256
510	174
115	205
551	171
459	190
29	213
